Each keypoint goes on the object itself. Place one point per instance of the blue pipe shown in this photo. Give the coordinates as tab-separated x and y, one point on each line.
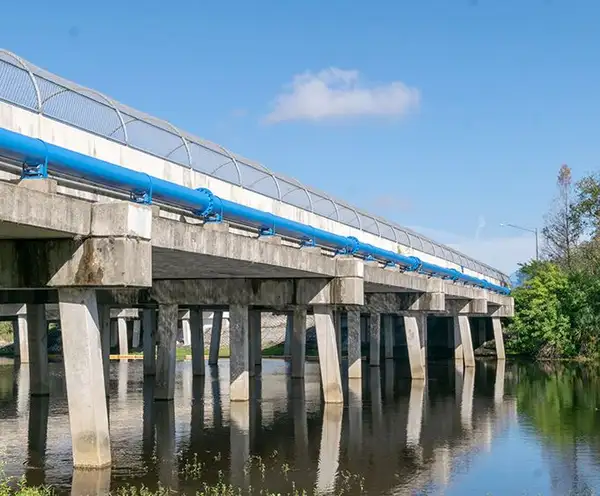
38	157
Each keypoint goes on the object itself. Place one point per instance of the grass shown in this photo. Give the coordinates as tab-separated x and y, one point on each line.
195	472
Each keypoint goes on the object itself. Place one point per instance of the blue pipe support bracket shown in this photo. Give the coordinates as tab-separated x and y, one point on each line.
204	203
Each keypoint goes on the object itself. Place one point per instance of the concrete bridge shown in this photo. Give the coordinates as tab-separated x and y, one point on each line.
103	207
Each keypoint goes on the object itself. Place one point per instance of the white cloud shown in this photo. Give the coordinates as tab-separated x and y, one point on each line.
336	92
502	253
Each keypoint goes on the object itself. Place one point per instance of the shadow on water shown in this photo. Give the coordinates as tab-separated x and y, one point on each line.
497	429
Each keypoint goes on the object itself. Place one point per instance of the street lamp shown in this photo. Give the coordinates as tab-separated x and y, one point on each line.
534	231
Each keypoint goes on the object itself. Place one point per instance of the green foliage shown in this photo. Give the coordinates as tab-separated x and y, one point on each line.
6	332
557	309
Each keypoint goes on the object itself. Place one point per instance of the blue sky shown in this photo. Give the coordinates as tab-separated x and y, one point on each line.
448	116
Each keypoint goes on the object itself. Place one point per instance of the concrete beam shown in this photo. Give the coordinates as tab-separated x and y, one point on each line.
405	302
477	307
392	280
114	252
273	293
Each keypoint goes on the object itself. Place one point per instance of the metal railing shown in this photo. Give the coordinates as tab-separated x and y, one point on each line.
25	85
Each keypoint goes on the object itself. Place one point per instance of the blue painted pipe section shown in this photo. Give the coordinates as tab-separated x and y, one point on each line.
143	187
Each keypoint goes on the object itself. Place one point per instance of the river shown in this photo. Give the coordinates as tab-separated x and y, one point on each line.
519	428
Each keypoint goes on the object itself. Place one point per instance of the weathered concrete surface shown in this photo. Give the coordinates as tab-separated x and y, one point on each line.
239	375
331	380
354	345
412	328
84	373
298	343
405	302
166	359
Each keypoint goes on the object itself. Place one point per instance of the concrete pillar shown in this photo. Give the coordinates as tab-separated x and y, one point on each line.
197	337
423	337
415	356
498	338
215	337
289	330
337	315
123	341
104	323
255	336
166	356
37	331
328	357
354	345
21	333
239	377
458	347
298	342
135	341
374	339
113	333
84	373
461	323
186	329
149	318
388	336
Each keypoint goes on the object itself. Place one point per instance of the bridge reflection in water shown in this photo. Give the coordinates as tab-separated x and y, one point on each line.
399	436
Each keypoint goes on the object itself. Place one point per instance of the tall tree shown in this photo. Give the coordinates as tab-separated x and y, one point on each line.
563	224
587	208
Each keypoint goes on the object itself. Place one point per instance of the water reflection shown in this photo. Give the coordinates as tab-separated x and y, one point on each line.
459	432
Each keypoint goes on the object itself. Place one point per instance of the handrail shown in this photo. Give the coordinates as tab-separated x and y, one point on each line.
39	157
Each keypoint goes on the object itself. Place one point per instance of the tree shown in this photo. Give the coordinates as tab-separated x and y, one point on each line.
587	208
563	225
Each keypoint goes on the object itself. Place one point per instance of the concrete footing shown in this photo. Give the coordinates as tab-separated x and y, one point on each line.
84	373
239	379
354	345
166	358
328	356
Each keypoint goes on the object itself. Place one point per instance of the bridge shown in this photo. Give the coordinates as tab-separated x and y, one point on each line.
103	207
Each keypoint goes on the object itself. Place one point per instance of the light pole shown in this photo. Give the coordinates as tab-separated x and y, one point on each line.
534	231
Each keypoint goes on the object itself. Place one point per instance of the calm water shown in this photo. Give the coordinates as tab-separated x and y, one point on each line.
522	429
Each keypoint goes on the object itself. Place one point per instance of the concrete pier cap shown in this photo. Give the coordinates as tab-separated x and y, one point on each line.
87	245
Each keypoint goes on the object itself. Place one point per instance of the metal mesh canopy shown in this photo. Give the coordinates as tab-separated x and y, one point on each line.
28	86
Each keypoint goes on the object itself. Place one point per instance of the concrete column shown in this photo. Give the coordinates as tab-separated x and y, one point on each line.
123	341
215	337
149	318
135	341
197	337
337	315
21	333
481	331
113	333
166	356
498	338
239	377
37	333
298	342
464	329
415	357
388	336
84	373
104	323
289	330
458	346
328	358
354	345
423	337
186	329
374	339
255	336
